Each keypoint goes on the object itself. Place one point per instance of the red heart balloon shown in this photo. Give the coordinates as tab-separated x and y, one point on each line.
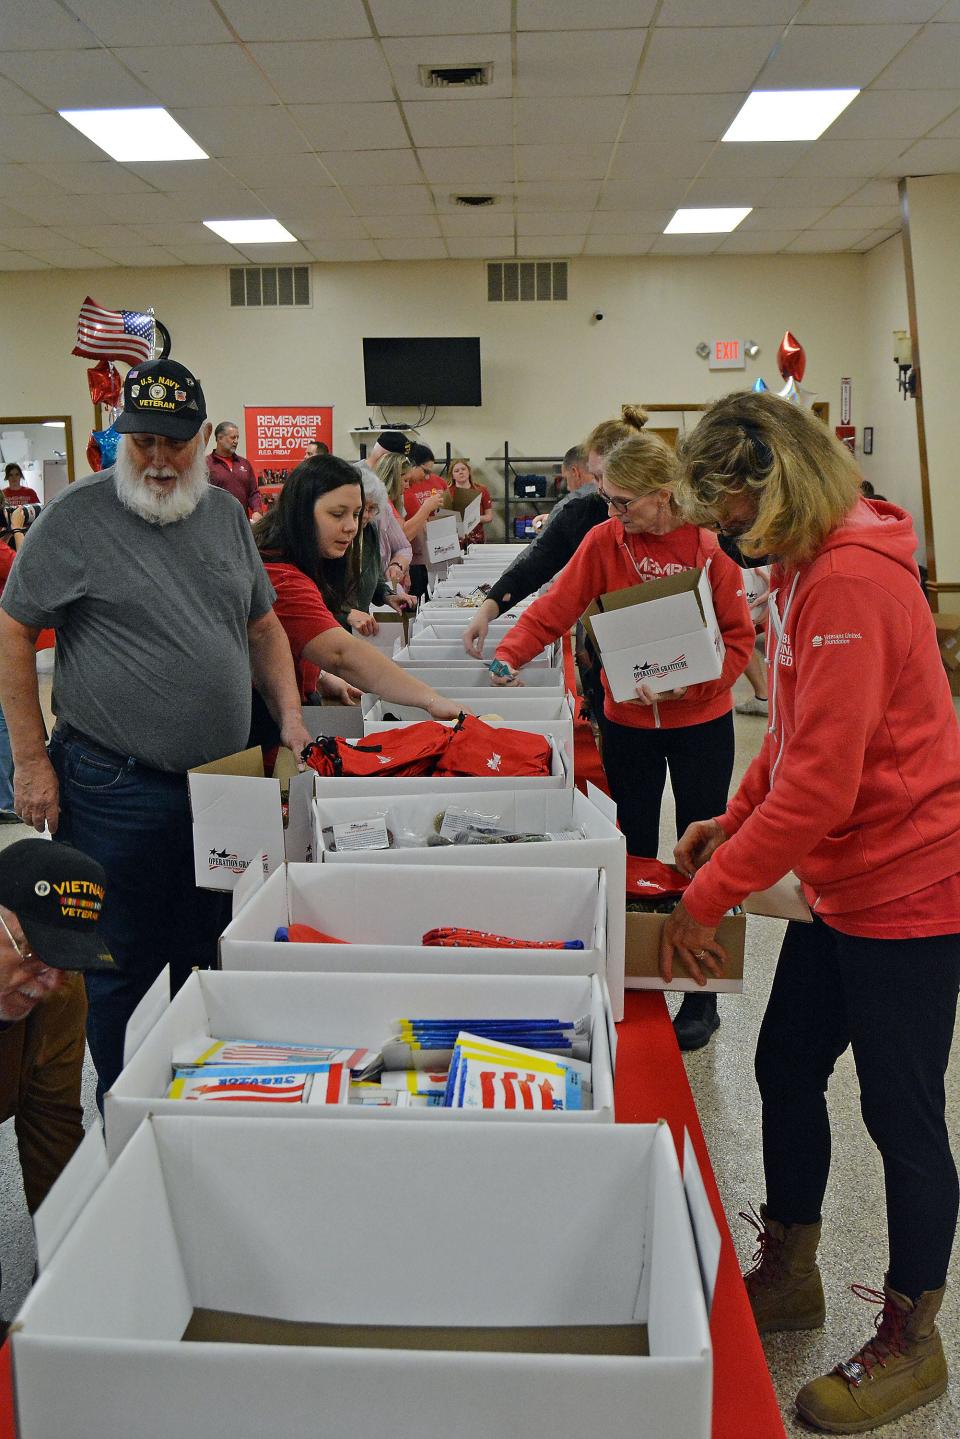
791	358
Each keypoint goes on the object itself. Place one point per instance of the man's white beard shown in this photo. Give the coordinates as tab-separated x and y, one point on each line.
159	507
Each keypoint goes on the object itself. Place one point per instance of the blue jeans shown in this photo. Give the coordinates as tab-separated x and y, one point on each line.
6	766
136	822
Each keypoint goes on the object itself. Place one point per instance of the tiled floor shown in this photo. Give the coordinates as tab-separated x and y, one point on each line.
854	1240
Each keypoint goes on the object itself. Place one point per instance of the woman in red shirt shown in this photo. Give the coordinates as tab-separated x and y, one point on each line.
15	492
304	541
688	730
462	479
857	789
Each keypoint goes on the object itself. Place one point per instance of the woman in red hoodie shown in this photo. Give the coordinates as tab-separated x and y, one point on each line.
856	788
688	730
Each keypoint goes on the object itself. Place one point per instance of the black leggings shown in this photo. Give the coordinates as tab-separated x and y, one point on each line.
894	1002
700	760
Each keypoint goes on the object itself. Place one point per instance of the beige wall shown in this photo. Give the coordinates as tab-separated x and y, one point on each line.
549	371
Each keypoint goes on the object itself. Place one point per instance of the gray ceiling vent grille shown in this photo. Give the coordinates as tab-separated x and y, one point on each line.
445	77
265	287
527	280
474	202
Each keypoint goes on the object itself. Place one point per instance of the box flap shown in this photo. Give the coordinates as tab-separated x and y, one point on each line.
246	762
246	887
706	1235
56	1215
603	802
146	1014
783	900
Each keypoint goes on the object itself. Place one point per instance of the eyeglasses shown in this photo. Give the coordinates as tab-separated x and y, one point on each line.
27	955
616	503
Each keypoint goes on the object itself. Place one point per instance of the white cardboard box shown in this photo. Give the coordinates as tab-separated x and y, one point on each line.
384	913
355	1009
425	650
238	819
440	1224
519	704
473	674
560	777
594	813
442	538
663	640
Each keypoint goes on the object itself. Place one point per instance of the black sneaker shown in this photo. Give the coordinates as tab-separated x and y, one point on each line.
696	1020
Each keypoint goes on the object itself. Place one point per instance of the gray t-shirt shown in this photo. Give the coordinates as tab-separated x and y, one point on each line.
151	620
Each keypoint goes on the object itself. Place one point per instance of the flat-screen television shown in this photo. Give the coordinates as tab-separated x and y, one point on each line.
422	371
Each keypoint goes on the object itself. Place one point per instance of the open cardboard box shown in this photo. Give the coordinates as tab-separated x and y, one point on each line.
349	1009
662	634
442	537
467	506
384	785
515	704
393	629
383	913
783	900
571	1249
593	812
238	816
425	649
474	674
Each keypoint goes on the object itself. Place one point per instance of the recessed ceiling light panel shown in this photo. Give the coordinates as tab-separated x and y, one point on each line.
251	232
136	135
768	115
706	222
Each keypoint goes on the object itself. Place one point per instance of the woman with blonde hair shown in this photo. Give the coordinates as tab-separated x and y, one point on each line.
687	730
857	789
396	551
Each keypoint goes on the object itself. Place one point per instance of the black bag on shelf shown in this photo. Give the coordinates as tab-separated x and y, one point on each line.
530	487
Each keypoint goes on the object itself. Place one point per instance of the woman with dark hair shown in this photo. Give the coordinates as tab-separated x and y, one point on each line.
14	491
304	542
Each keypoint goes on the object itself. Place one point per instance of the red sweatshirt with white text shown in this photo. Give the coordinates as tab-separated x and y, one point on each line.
608	560
857	786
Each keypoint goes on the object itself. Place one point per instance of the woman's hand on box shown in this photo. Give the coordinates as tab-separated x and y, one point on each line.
647	696
694	945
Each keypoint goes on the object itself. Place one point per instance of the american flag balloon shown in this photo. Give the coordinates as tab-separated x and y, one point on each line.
113	334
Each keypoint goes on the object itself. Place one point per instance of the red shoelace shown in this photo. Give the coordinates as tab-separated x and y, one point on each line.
763	1262
886	1343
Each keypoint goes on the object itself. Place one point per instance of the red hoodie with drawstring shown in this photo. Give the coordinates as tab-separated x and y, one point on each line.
609	559
857	786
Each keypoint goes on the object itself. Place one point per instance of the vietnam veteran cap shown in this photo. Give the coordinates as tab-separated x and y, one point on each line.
161	397
57	894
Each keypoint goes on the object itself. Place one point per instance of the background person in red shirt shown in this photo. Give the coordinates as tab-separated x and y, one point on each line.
15	492
231	472
857	789
462	478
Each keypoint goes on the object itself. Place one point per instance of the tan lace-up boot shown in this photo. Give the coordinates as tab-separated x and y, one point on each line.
899	1369
784	1284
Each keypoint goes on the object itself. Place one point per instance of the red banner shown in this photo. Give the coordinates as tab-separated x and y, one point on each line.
276	436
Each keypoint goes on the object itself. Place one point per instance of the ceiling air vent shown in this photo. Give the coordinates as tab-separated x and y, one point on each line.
444	77
474	202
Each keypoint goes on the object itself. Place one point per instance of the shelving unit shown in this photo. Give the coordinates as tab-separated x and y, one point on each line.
510	465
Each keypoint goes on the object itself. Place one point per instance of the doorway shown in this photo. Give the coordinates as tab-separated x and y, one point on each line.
42	445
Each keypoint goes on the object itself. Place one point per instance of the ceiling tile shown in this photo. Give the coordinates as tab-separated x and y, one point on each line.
574	15
179	175
681	159
726	12
185	205
556	195
627	244
744	161
17	181
681	117
171	232
412	249
292	20
708	62
877	192
468	166
151	208
278	171
11	260
405	57
820	242
559	162
549	246
812	191
930	62
218	253
581	62
376	125
317	200
184	74
453	17
24	236
117	22
96	237
875	238
333	250
541	222
70	257
629	222
755	242
333	69
146	255
951	125
241	129
44	137
40	25
102	177
865	12
309	226
494	248
728	192
818	56
784	217
929	157
373	167
576	121
464	224
453	122
14	101
282	254
11	216
81	209
401	199
685	244
403	227
893	114
859	218
642	195
863	158
950	11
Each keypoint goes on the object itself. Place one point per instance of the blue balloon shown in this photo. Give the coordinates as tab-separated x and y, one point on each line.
107	441
760	385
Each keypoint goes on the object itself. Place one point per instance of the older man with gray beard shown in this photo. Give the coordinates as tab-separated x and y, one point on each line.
163	614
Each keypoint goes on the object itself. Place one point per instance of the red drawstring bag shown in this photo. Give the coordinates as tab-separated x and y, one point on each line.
478	749
649	879
408	750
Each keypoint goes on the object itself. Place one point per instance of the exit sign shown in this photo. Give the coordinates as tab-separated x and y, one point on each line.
727	355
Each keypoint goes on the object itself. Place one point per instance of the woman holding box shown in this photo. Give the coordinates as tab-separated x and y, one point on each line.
303	542
857	788
688	731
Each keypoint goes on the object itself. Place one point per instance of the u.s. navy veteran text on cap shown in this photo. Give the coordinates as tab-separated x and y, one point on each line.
162	398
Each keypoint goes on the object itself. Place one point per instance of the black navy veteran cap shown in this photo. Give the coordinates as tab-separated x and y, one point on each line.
161	397
57	894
